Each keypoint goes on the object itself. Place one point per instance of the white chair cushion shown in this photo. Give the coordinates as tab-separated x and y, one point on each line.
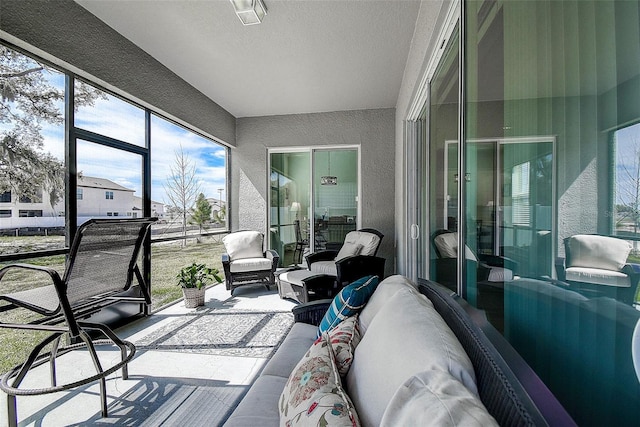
402	346
368	241
348	249
608	253
597	276
295	277
499	274
325	267
250	264
243	244
435	398
447	244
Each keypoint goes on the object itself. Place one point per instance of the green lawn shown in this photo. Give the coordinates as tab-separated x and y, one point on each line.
166	260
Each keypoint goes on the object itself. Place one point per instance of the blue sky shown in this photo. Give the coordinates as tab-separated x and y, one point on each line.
118	119
627	142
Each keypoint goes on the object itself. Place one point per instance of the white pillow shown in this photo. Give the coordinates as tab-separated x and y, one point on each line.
348	249
368	241
407	336
313	394
244	244
435	398
447	244
607	253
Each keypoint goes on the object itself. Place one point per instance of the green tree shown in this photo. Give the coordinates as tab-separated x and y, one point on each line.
202	213
220	216
30	100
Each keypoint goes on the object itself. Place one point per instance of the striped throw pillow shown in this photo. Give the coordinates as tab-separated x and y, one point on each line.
349	301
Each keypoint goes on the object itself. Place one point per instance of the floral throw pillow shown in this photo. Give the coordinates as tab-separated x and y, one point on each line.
313	395
344	339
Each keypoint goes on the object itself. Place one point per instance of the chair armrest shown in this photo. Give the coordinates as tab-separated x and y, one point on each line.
321	256
274	257
560	269
55	276
633	271
271	254
226	265
311	312
355	267
15	301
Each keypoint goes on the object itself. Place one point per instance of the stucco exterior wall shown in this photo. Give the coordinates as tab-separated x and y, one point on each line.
373	130
65	30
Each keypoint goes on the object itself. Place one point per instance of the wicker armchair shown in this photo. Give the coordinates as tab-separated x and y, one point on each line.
597	266
355	259
245	261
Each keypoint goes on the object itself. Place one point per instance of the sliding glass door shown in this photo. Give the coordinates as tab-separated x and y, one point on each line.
314	194
335	195
439	188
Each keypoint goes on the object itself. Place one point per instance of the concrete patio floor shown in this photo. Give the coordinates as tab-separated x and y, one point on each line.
165	388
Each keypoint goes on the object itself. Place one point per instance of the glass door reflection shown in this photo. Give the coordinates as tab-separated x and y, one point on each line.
290	206
335	188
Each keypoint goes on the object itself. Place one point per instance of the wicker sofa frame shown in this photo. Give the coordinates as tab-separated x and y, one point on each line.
511	391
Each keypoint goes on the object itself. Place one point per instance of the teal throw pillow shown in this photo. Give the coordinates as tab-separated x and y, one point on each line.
349	301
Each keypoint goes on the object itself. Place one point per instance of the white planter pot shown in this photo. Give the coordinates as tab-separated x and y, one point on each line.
193	297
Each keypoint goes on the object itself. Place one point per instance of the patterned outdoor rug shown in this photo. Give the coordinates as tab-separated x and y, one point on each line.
222	331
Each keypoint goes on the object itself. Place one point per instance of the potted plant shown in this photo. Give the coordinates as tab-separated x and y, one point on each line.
194	279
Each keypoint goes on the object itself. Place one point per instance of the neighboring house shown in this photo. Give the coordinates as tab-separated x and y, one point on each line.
216	206
157	208
99	197
96	197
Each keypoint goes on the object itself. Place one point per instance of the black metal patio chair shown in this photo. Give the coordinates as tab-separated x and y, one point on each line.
100	267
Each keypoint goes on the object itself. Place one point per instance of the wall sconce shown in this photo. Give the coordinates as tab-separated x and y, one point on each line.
250	12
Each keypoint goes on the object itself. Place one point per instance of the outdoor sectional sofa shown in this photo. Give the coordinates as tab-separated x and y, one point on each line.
410	335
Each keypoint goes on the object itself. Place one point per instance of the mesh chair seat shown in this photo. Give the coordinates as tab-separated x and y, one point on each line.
43	300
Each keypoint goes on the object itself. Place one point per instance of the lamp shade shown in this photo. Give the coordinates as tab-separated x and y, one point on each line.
250	12
295	207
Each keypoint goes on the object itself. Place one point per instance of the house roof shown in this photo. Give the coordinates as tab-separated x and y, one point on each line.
102	183
153	202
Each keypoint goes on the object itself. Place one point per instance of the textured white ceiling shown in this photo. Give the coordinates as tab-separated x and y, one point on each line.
307	56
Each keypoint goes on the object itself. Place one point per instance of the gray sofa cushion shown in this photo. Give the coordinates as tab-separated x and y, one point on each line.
294	346
259	407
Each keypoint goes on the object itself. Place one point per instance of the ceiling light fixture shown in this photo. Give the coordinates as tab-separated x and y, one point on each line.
250	12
